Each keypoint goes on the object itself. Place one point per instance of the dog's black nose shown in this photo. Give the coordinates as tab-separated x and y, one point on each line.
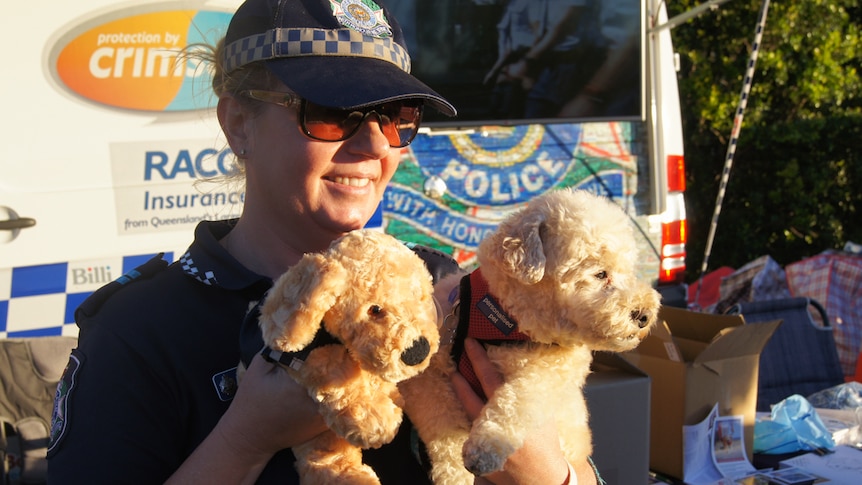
641	318
417	352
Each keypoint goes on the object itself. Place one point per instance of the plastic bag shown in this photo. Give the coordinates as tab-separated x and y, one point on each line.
795	426
842	396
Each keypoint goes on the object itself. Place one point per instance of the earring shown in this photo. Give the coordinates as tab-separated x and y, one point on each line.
242	152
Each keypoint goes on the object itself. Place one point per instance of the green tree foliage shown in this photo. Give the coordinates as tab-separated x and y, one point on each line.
795	184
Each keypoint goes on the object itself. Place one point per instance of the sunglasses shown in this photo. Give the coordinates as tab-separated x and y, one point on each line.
398	120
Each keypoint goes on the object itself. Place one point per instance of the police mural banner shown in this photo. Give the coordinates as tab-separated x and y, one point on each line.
451	190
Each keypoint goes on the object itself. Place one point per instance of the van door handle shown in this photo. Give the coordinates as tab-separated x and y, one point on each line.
20	223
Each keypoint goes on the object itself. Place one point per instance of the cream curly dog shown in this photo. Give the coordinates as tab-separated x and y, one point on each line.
353	322
555	281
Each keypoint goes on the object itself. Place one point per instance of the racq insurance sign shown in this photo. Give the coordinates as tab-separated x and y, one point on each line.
128	58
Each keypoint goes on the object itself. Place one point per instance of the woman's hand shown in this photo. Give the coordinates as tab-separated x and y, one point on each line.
270	412
540	459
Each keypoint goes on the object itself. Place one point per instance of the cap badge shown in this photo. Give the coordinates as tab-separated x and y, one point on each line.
362	16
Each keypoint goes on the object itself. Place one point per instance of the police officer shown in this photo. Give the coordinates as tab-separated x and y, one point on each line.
315	99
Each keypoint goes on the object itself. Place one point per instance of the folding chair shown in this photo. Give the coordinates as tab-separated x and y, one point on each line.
801	357
29	371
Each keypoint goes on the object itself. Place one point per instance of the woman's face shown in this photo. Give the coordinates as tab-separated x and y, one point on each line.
321	189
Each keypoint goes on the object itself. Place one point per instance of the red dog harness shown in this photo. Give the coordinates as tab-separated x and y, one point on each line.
483	319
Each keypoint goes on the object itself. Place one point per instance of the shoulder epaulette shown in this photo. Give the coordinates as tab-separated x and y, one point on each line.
94	302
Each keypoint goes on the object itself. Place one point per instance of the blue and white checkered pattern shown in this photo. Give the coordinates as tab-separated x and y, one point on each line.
40	300
298	42
189	267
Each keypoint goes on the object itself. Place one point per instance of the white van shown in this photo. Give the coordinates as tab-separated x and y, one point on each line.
105	136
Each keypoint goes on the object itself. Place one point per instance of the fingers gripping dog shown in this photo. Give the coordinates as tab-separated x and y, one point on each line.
555	282
349	324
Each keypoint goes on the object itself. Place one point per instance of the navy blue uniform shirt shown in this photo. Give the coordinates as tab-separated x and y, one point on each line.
153	373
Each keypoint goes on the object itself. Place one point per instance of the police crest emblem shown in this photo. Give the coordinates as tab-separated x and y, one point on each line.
363	16
62	398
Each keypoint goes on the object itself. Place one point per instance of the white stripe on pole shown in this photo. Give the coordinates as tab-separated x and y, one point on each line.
734	135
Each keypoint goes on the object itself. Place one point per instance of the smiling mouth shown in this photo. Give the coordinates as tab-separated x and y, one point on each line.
351	182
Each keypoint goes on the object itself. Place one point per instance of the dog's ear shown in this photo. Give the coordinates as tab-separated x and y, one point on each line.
521	251
294	307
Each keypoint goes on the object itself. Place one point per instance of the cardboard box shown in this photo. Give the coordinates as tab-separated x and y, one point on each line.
696	360
618	401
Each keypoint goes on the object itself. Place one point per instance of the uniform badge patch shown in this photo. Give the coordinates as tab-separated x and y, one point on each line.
362	16
59	417
225	384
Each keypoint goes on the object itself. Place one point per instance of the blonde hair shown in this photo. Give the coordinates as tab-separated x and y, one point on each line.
254	75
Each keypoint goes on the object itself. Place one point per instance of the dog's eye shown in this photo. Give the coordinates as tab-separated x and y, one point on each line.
601	275
375	311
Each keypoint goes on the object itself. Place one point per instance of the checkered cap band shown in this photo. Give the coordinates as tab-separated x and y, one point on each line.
299	42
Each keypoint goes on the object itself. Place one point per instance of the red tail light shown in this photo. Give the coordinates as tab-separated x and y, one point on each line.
673	240
675	173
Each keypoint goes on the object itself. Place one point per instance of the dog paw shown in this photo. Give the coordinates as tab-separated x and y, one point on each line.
364	475
367	429
332	471
482	457
366	435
